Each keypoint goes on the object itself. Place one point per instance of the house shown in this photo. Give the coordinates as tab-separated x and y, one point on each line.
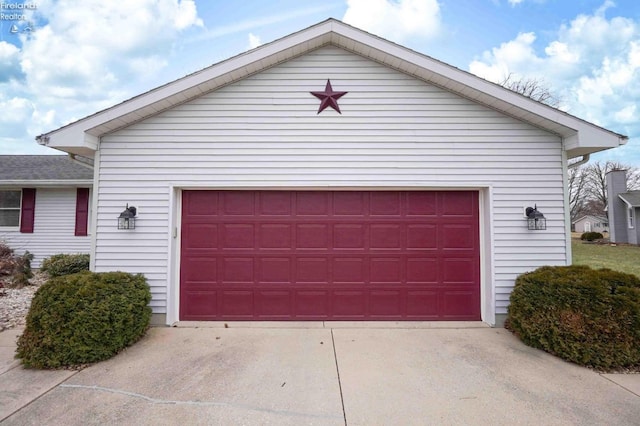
44	205
330	175
623	209
590	223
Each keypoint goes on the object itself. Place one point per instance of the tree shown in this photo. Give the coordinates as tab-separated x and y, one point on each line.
588	187
532	88
577	192
597	179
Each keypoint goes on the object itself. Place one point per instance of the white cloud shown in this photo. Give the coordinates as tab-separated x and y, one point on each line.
515	2
83	57
592	63
254	41
395	20
9	61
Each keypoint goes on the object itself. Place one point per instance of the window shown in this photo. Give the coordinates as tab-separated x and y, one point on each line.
631	217
10	208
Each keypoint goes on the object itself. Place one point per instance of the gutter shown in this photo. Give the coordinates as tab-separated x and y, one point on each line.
83	161
584	159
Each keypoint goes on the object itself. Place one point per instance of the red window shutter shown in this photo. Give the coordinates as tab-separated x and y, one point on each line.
28	210
82	211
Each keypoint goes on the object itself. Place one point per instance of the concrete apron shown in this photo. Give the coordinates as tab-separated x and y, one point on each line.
318	375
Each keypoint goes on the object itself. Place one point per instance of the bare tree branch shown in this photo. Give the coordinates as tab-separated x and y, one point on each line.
588	187
532	88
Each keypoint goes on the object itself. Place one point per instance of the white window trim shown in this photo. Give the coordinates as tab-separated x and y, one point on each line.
13	228
631	217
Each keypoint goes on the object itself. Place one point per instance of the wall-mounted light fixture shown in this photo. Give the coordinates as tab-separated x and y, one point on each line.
535	219
127	219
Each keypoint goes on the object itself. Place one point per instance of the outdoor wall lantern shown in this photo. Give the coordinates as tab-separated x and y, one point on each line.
127	219
535	219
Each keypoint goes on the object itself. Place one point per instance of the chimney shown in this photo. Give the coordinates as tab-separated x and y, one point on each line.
616	208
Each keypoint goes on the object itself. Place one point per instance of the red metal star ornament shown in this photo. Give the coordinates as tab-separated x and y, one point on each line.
328	98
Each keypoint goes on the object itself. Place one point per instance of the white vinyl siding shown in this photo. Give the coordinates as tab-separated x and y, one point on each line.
395	131
53	228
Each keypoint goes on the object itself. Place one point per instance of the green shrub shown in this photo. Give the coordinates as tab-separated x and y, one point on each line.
591	236
590	317
65	264
84	318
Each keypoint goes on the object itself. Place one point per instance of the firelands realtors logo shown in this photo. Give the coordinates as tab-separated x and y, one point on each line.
14	11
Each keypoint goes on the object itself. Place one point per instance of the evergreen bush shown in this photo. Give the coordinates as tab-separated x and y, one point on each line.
586	316
65	264
84	318
591	236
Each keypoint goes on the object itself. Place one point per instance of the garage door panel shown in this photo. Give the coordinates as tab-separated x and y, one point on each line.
275	236
459	304
200	203
422	270
385	236
422	304
386	303
313	304
200	235
349	270
312	236
200	304
312	203
349	203
458	237
422	236
349	236
313	270
458	270
275	203
384	203
200	269
458	203
236	203
385	270
274	304
334	255
422	204
236	236
274	270
349	304
236	304
238	270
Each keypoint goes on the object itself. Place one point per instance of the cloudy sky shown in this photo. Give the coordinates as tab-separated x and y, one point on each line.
61	60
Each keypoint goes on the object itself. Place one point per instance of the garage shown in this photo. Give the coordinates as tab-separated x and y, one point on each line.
329	255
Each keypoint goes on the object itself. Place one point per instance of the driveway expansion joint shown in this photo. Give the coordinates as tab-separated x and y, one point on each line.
335	357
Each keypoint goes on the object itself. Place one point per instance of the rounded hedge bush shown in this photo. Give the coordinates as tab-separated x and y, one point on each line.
591	236
84	318
65	264
587	316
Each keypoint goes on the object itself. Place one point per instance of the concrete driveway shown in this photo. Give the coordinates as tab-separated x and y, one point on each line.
312	374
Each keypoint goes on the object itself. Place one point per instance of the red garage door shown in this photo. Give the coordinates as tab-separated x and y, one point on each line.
339	255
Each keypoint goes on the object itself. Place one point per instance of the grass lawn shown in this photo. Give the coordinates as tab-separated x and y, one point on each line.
619	258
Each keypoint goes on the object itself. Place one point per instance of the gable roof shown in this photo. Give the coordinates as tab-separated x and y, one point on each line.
579	136
632	198
42	169
590	216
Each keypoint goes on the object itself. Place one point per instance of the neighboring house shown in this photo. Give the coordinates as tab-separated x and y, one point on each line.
44	205
623	209
591	223
330	175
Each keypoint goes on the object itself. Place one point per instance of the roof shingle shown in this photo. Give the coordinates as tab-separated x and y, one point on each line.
41	167
632	198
